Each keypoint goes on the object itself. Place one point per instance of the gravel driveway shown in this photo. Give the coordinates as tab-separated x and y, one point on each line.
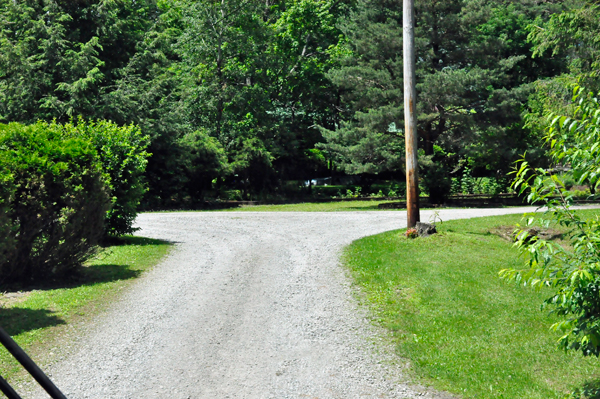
248	305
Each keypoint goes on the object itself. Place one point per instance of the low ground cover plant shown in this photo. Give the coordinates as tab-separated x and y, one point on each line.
461	327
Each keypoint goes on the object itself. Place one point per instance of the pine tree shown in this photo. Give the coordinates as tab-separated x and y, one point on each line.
474	71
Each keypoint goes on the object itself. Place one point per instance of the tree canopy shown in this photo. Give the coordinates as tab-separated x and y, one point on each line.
474	73
245	94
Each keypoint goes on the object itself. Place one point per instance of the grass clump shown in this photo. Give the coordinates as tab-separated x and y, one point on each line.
463	329
38	317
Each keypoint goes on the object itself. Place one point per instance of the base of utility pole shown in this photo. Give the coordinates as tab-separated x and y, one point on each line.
412	211
412	200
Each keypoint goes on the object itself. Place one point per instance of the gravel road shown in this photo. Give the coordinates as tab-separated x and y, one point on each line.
248	305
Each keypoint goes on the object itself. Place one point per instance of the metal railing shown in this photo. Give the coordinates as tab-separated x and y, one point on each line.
31	368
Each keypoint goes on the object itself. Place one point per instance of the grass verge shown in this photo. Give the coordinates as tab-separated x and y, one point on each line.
334	206
462	328
40	317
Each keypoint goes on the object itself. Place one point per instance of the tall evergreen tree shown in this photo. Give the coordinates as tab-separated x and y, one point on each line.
474	68
57	58
149	92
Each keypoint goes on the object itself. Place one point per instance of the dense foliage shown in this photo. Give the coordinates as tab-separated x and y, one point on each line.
571	270
122	154
474	72
57	58
572	135
243	96
54	201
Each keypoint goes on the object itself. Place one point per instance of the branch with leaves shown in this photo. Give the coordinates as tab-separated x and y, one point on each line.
573	271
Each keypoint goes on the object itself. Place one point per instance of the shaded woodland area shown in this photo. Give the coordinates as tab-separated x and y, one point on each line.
245	99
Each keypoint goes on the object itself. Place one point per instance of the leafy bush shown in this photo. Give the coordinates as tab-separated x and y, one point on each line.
397	189
467	184
435	176
7	240
231	195
568	180
582	194
436	182
203	161
53	202
123	156
357	193
573	273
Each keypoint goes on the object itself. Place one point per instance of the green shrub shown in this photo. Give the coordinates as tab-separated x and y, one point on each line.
436	182
467	184
567	180
397	189
434	176
123	156
572	271
7	240
203	160
231	195
581	194
350	193
53	203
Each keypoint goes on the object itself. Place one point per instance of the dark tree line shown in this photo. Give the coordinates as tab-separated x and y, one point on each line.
247	94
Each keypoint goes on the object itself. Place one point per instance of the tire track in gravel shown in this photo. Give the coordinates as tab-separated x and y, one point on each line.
248	305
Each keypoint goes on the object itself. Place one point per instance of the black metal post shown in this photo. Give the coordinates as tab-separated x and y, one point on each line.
30	366
8	390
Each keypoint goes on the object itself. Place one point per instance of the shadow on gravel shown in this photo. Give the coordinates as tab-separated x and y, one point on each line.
18	320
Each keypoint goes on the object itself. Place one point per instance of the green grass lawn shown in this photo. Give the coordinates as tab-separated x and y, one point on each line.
37	318
333	206
315	207
462	328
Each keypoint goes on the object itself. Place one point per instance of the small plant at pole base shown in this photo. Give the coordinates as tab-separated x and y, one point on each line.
573	273
435	218
411	233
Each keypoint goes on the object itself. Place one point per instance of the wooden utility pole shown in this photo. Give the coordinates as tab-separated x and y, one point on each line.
410	117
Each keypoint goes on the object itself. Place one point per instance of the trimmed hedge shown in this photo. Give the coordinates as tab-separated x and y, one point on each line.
53	202
123	156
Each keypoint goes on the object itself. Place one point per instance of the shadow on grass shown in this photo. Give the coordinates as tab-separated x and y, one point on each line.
365	208
132	240
93	274
104	273
18	320
480	233
589	390
82	276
